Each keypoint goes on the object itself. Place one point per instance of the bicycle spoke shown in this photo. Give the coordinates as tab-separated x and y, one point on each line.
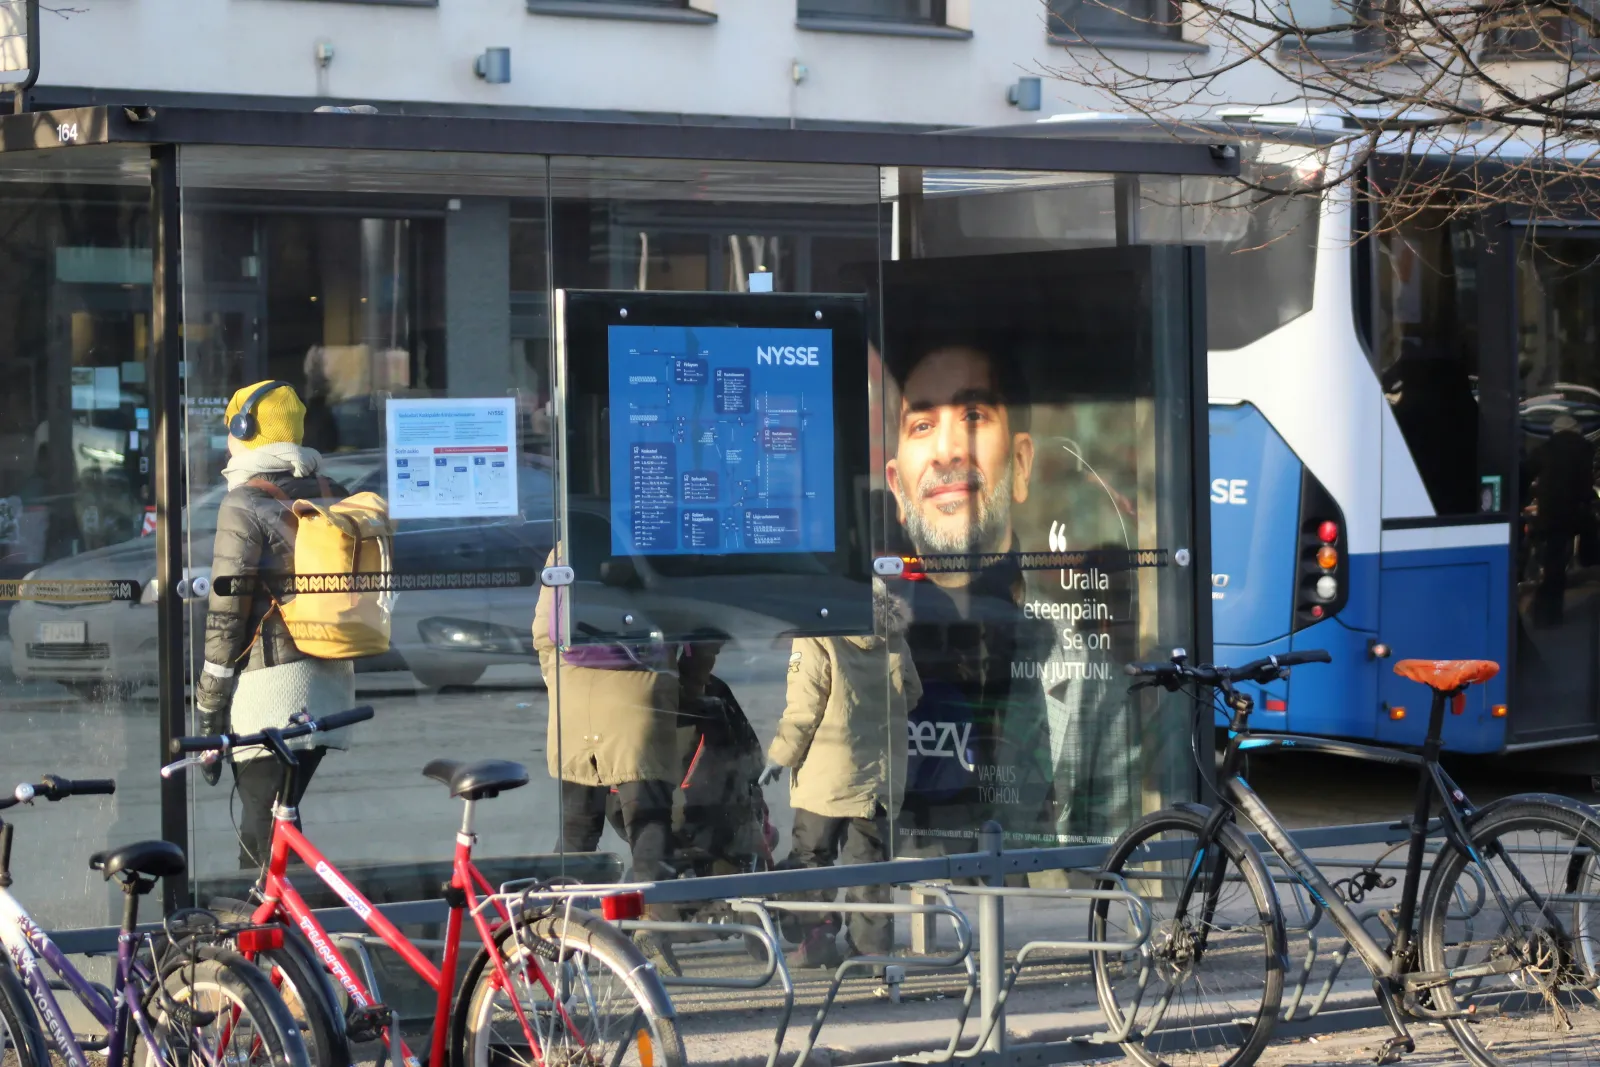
1196	991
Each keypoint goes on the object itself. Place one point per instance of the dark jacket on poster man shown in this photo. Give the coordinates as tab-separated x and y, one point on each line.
977	738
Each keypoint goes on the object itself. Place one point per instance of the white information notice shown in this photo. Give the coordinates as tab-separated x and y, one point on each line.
452	458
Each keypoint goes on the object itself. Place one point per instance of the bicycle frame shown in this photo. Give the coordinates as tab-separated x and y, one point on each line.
28	946
1394	964
280	897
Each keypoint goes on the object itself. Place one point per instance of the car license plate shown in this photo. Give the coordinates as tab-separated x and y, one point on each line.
63	633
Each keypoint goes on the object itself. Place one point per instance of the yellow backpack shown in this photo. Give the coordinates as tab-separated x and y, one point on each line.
346	546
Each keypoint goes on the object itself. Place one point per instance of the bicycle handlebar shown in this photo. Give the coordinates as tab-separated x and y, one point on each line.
53	787
224	742
1269	669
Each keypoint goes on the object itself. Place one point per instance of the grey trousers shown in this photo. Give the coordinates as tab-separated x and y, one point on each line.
821	841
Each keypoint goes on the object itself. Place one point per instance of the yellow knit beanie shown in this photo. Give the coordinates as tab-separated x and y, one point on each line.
280	416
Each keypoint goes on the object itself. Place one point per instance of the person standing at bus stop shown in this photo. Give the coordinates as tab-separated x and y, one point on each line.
842	736
1564	492
254	675
616	730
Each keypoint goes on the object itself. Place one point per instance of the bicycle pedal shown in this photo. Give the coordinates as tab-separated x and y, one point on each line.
366	1024
1394	1048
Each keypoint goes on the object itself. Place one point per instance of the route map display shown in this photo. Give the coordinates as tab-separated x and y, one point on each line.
721	440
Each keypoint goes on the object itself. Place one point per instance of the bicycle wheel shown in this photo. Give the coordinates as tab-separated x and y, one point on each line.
1205	987
580	987
21	1039
242	1021
1545	856
303	983
308	996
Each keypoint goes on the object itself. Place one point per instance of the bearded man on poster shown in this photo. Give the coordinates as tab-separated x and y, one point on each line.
963	459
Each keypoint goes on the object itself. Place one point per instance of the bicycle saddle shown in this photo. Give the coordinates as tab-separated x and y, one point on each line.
153	859
1447	675
477	781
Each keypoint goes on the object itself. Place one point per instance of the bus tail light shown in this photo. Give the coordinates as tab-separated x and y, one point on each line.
1321	581
1274	704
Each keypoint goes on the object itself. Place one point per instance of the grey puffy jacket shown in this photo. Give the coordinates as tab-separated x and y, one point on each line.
255	535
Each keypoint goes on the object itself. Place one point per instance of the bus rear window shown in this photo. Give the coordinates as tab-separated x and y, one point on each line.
1261	247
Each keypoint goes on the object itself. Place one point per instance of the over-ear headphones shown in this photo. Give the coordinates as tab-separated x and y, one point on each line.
243	425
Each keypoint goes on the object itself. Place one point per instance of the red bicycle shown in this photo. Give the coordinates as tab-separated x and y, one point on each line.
554	985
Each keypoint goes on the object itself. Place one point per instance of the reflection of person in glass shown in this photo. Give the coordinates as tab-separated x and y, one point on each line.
963	459
1563	489
616	729
846	755
254	675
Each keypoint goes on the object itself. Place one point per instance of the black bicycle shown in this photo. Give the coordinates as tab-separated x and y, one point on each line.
1498	944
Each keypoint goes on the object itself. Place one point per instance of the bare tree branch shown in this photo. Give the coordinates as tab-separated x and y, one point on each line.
1467	103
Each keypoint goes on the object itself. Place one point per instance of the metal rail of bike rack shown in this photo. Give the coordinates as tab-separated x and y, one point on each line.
992	1036
961	955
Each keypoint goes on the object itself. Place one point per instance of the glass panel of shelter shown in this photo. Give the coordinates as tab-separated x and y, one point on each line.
1014	442
379	287
78	673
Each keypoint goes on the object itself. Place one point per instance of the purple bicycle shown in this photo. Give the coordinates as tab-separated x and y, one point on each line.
182	998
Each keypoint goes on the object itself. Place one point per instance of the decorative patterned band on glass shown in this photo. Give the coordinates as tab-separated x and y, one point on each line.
385	582
1105	559
71	590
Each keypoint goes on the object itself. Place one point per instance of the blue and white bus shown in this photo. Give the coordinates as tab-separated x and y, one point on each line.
1402	444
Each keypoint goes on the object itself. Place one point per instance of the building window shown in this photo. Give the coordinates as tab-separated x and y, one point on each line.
1159	20
1536	34
914	12
1369	28
650	10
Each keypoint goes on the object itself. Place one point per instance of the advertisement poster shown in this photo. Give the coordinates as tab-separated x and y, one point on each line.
1018	426
721	440
452	458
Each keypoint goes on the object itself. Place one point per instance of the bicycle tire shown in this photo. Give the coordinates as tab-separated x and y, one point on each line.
221	977
305	987
584	947
1246	1031
307	993
23	1035
1532	1005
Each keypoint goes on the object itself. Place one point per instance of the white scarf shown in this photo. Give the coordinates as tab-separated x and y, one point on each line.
277	458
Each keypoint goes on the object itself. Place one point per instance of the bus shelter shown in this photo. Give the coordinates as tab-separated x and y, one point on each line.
873	458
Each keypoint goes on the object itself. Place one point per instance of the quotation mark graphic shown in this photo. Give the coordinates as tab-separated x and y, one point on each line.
1058	537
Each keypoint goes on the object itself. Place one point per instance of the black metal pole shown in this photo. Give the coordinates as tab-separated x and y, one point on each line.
166	314
20	96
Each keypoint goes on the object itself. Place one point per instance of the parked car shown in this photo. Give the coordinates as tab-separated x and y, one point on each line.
443	637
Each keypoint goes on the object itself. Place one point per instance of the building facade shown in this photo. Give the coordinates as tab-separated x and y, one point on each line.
943	63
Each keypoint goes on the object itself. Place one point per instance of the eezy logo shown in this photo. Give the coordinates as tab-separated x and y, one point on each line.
788	355
1229	490
941	739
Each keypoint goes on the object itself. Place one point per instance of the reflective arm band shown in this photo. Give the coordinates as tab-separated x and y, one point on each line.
216	670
